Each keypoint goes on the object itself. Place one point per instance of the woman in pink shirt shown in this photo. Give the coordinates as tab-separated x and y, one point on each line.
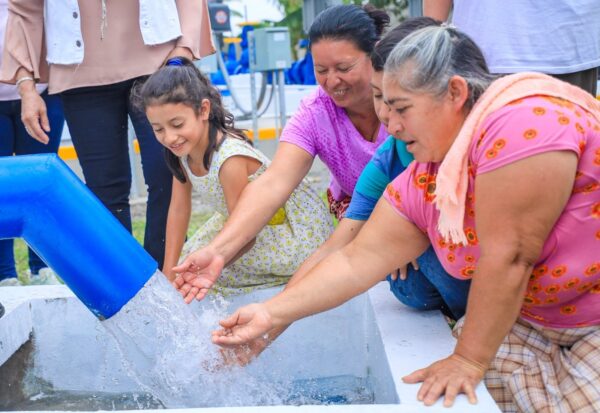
337	122
521	167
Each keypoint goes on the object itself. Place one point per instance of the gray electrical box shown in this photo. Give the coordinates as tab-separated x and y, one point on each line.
272	49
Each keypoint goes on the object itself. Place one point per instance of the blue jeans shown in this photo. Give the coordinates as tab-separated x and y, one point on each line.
432	288
97	120
14	140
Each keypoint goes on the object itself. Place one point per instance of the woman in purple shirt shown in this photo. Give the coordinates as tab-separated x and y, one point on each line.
337	122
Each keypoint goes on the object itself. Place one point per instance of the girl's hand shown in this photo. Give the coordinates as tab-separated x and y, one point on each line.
450	377
197	274
243	327
403	271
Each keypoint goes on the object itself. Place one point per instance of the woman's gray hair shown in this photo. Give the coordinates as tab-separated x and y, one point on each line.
426	60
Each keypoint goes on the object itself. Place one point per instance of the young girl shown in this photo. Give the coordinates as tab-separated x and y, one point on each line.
206	153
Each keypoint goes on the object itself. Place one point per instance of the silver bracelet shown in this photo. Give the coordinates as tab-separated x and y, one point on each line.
23	79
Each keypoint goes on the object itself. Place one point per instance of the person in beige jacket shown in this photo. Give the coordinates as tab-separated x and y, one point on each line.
91	53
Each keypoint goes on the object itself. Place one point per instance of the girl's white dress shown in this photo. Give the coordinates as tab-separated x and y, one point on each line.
295	231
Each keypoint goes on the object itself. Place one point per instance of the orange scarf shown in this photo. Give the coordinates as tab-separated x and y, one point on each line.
452	177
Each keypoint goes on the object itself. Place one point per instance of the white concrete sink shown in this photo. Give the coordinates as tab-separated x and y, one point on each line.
373	337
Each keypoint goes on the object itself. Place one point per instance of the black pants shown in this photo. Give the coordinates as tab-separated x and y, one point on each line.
97	120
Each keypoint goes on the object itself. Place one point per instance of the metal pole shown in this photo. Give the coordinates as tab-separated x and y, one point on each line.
281	86
135	189
252	56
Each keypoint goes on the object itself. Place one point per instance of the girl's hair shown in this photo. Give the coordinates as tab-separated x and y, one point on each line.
384	47
180	81
363	26
426	60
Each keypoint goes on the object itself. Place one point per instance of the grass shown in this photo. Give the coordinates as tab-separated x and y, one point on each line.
138	233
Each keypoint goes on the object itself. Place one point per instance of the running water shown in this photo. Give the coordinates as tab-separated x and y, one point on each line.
167	347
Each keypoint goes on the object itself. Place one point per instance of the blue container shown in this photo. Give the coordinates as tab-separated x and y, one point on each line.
44	202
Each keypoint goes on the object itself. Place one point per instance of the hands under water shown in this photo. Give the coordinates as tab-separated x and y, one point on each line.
197	274
248	331
245	334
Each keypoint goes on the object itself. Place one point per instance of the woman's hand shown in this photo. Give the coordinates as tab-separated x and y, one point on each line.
33	112
450	377
402	272
243	327
197	273
243	354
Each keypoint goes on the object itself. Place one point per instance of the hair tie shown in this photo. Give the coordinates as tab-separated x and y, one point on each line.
447	25
175	61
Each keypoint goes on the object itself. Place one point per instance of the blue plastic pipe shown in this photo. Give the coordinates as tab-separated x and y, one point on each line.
43	201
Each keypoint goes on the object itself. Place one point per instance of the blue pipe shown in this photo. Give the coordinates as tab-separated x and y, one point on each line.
43	201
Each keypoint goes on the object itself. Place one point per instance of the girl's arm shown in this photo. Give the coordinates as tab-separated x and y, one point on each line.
254	208
178	220
234	175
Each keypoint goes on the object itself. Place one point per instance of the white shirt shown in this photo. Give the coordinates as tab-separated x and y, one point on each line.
159	23
554	37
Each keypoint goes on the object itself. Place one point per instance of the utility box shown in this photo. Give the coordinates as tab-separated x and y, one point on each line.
272	49
311	8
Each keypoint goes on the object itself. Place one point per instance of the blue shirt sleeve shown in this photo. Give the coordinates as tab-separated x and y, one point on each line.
386	164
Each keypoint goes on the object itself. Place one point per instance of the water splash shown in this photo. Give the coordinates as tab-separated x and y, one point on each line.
167	348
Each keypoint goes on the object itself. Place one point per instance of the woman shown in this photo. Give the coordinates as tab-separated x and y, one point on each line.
94	53
337	122
515	182
425	286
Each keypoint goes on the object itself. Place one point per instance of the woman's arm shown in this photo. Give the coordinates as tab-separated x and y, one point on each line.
341	276
437	9
22	58
196	37
23	42
178	220
516	207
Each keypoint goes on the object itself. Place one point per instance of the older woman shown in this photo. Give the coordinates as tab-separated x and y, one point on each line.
506	192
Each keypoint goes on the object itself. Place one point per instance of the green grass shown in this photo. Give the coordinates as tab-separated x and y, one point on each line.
138	233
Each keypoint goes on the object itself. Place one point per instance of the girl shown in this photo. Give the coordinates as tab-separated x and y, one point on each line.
205	152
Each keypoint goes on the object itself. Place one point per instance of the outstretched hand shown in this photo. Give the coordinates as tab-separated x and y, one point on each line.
243	327
197	274
450	377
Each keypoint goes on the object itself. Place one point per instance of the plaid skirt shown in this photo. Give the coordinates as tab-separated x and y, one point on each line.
546	370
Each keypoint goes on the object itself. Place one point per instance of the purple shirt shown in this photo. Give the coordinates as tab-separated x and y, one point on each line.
324	129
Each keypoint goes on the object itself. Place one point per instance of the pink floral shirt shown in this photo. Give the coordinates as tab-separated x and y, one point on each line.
564	287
